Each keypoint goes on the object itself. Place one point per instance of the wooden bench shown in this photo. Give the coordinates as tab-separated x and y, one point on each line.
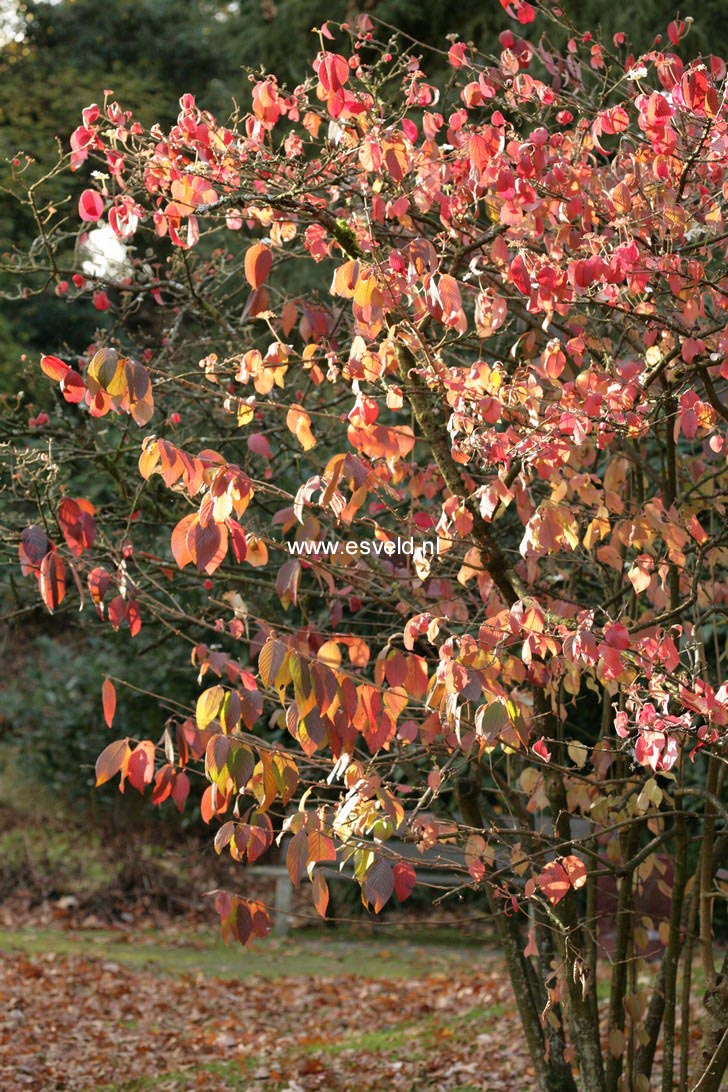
284	888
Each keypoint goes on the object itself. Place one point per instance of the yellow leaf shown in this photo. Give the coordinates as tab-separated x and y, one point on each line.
246	413
329	653
578	753
208	706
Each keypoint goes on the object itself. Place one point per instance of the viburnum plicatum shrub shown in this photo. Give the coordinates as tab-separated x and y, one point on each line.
370	313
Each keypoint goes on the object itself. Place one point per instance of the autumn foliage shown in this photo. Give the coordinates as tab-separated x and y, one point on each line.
492	314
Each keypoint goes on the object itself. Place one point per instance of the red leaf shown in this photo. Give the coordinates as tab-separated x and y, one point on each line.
238	540
456	54
332	70
542	750
559	876
140	768
181	790
479	152
675	30
90	205
270	661
133	617
616	636
259	918
519	275
73	387
208	546
52	580
108	699
287	581
256	552
77	523
450	309
118	610
163	783
395	669
223	903
261	835
139	392
404	880
259	445
34	545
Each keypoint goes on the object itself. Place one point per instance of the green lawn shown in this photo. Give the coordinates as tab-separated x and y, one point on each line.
335	952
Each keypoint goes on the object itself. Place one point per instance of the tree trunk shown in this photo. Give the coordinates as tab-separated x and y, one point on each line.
583	1011
715	1047
553	1072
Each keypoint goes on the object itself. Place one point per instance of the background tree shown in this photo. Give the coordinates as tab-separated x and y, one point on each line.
58	57
511	338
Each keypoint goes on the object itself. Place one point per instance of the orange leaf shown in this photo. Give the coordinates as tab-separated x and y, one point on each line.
111	760
320	848
54	368
299	423
297	856
531	948
241	919
345	279
320	893
257	552
180	549
108	700
149	458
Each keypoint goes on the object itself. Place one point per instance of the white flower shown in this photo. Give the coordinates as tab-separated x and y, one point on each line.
104	255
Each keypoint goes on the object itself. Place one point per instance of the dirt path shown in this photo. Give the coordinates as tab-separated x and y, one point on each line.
121	1014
